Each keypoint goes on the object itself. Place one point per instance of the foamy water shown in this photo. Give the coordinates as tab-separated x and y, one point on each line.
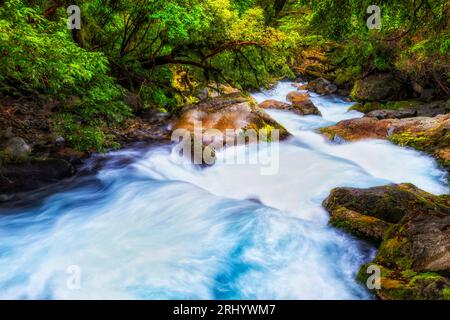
161	228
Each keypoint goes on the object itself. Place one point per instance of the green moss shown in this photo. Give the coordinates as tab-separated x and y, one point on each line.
424	276
393	253
419	141
390	105
356	89
408	273
446	293
346	75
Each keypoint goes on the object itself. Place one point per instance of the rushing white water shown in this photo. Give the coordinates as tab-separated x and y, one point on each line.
161	228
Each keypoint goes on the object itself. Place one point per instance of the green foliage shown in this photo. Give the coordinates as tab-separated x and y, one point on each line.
82	137
413	39
39	57
165	51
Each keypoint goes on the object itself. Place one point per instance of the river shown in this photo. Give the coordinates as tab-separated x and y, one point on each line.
157	227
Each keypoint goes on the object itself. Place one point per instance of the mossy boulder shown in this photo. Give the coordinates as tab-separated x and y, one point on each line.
380	87
407	285
403	108
302	104
411	227
360	225
389	105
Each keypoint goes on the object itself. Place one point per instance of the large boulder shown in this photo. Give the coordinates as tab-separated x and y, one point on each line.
411	227
275	104
321	86
301	107
426	134
302	104
377	88
227	118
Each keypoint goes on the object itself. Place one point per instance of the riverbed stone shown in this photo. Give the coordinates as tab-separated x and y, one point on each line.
412	228
302	104
321	86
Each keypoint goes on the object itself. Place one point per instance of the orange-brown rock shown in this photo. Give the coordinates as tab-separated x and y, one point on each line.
234	113
431	135
302	104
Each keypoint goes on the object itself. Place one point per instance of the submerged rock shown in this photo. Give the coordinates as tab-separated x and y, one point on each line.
321	86
431	135
412	228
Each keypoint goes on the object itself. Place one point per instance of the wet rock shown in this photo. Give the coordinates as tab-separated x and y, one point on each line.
302	104
366	227
412	228
321	86
275	104
392	114
380	87
413	107
227	118
17	149
33	173
426	134
358	129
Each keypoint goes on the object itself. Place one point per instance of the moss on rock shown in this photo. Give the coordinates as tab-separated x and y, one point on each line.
411	226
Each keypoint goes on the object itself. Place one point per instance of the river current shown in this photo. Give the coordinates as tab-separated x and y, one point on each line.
157	227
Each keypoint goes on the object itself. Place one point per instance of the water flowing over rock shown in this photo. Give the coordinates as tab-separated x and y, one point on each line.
219	232
413	227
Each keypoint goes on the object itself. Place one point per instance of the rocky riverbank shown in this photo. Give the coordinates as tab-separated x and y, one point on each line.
33	155
412	231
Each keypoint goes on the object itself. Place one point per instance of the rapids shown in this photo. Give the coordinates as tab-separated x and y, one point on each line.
157	227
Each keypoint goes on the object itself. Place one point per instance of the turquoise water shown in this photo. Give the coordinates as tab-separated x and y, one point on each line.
161	228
